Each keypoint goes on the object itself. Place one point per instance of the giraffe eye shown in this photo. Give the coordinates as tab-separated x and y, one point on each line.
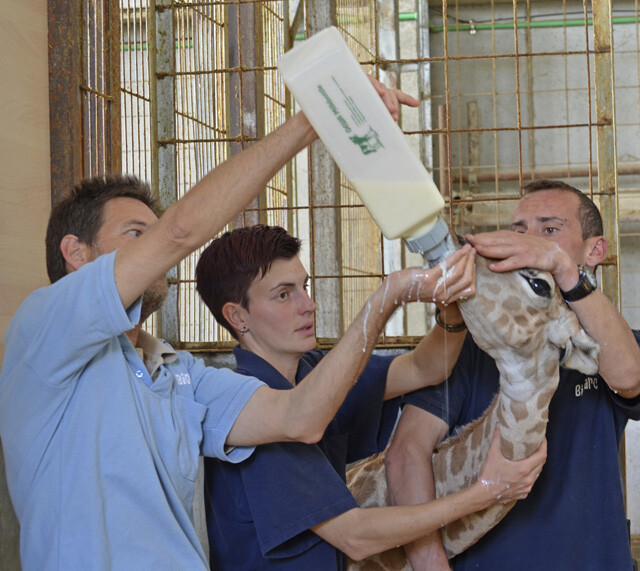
538	286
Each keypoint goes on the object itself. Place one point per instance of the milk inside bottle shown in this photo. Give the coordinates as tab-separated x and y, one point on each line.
368	146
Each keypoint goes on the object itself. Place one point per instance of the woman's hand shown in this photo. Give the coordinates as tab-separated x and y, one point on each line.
449	281
506	480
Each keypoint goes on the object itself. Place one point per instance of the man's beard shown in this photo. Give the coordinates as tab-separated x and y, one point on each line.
153	297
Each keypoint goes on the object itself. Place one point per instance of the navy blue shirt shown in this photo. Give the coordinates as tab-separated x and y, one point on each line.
259	512
574	518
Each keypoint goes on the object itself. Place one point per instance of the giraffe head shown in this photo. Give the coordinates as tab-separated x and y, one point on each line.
520	315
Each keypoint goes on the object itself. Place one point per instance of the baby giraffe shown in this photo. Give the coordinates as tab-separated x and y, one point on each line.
521	320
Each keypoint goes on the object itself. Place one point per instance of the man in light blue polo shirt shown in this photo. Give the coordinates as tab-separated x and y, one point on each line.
94	442
101	423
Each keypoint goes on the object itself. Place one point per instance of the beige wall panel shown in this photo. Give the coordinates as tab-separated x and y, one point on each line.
24	148
24	185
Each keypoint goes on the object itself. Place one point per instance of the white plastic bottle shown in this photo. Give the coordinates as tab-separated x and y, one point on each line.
349	116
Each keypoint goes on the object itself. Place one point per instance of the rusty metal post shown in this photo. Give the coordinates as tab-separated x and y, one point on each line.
424	84
443	145
605	119
99	85
163	145
290	29
606	138
473	122
65	73
113	85
607	162
245	87
326	224
295	24
392	252
388	52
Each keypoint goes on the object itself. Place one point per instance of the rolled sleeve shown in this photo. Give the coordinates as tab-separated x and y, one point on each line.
224	393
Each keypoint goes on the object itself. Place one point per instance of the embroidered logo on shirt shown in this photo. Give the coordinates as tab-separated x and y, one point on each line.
183	378
589	383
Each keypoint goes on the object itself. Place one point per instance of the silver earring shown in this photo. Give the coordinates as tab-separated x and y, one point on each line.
244	330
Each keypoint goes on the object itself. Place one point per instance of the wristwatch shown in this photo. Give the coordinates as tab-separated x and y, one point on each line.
586	284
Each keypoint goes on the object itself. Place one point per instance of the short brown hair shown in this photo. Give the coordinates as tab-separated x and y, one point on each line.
228	266
588	213
80	213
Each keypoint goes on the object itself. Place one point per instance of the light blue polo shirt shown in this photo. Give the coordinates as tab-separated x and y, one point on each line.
101	460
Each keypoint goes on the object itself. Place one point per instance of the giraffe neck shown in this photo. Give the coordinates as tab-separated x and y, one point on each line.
522	406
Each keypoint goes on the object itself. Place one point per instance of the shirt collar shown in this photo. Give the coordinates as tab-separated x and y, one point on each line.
251	364
154	352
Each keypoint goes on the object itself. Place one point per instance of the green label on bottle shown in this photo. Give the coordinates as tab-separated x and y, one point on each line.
366	137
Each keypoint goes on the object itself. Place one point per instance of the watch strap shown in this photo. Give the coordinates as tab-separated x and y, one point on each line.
586	284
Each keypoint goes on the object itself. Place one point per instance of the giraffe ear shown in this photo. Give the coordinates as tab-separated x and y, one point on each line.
580	352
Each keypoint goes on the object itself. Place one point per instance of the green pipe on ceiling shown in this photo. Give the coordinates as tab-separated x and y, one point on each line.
411	16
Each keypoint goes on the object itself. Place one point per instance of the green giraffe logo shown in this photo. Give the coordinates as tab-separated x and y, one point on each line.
368	143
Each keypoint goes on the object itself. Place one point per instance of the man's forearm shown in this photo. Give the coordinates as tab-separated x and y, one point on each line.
207	208
410	479
619	362
411	482
362	532
227	189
